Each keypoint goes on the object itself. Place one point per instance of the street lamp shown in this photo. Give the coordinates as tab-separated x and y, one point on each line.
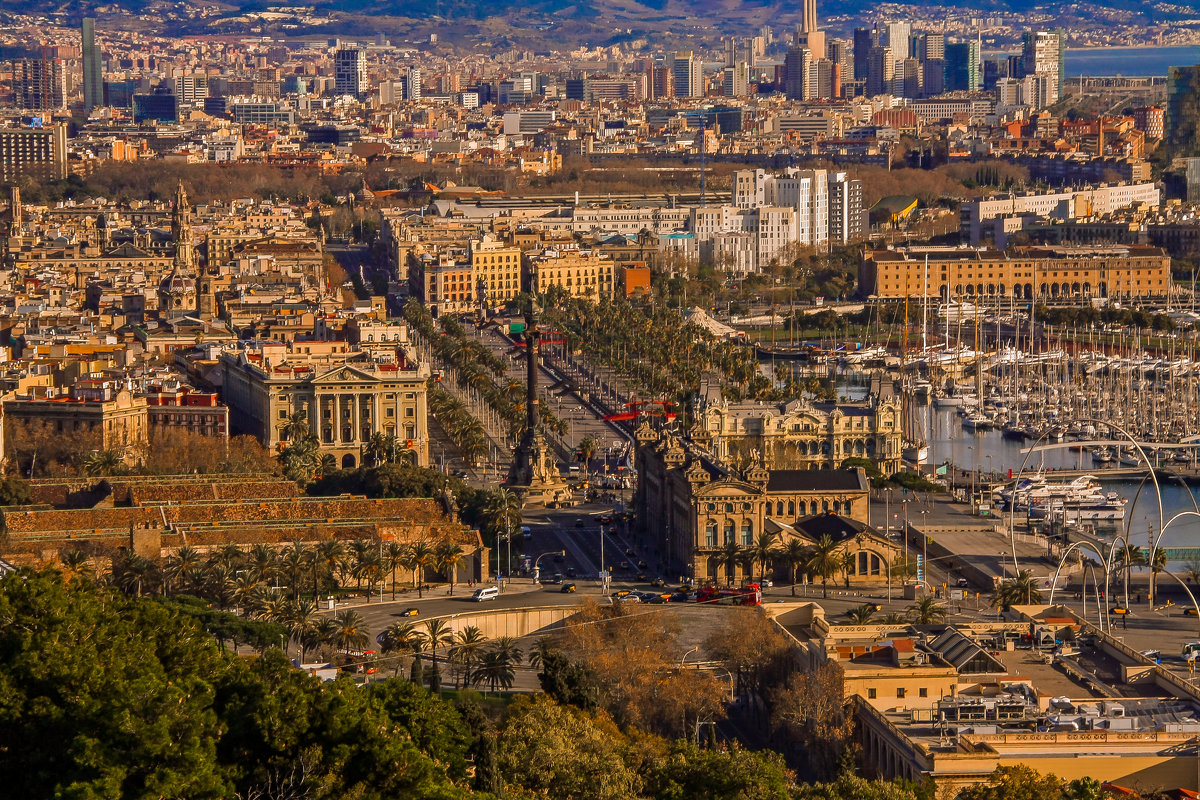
536	568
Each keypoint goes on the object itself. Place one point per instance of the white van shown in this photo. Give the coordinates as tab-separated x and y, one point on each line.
485	593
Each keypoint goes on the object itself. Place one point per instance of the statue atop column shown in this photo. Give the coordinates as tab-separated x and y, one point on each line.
534	472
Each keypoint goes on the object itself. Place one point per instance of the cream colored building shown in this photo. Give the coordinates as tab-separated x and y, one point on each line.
801	434
581	273
347	394
112	414
498	267
1043	273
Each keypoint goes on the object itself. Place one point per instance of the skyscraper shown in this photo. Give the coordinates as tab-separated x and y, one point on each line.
689	74
350	72
39	83
93	72
1183	108
881	68
796	66
864	40
962	67
1042	54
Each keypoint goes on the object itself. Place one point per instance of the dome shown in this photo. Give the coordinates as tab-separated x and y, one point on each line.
177	283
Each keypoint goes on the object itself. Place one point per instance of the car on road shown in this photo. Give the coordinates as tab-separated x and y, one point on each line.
1190	611
619	593
567	588
559	558
605	519
679	597
658	582
557	579
641	576
570	572
642	565
624	565
409	612
629	598
485	593
579	522
963	583
629	551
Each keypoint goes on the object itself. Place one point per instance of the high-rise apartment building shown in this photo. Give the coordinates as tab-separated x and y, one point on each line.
864	40
881	68
962	67
688	70
661	82
412	84
840	53
93	72
350	72
847	216
39	84
932	47
40	152
736	80
796	67
1042	54
1183	107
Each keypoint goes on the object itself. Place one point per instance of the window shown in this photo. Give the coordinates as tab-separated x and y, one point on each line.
923	692
870	693
900	691
747	533
283	413
710	535
728	533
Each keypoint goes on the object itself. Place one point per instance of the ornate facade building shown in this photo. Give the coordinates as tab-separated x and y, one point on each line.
696	506
345	394
803	435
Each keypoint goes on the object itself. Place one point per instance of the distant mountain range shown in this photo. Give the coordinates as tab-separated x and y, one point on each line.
559	22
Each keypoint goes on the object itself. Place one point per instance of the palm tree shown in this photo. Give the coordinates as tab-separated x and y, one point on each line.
438	634
1016	591
926	611
299	617
73	560
1158	563
400	637
465	652
134	574
792	553
422	558
731	554
104	462
377	450
763	551
352	633
498	665
1125	559
447	556
360	550
862	615
327	561
848	562
246	589
823	561
293	561
295	428
541	648
182	567
261	562
393	557
587	451
322	633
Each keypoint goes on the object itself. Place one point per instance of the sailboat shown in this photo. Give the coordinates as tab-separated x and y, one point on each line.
915	447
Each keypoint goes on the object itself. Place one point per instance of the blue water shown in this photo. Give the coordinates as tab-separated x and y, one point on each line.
1131	62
